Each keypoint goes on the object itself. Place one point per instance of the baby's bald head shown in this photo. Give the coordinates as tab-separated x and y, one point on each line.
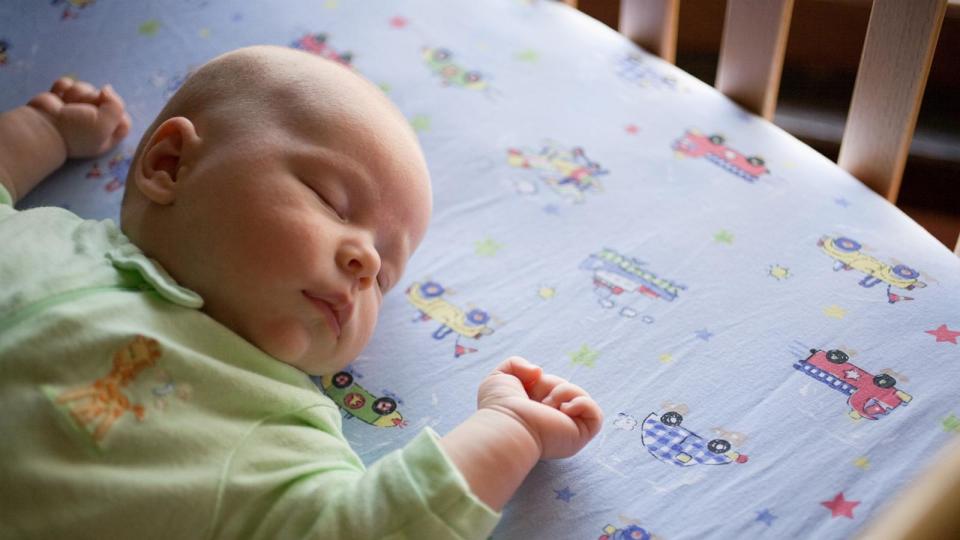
246	91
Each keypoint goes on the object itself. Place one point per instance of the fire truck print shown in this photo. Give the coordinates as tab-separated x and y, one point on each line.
440	62
428	298
695	144
615	274
569	173
317	44
870	396
117	169
847	255
667	441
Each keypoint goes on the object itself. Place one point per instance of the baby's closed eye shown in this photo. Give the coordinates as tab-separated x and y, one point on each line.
326	202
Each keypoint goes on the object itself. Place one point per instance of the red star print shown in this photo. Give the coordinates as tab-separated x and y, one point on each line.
841	507
944	334
398	22
632	129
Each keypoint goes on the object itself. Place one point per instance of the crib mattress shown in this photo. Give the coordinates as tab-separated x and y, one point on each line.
775	346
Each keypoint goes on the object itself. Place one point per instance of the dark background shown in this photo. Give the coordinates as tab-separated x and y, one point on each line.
823	51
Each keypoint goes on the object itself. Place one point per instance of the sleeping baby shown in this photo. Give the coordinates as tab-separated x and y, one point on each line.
154	378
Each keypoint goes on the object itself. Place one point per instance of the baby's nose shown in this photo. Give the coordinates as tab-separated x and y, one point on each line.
362	262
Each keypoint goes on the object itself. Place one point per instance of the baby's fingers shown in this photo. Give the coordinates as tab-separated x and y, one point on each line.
77	123
562	393
88	130
61	85
122	129
110	110
47	102
109	95
73	91
586	409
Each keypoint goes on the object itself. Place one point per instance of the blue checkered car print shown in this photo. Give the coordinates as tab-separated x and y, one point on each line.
666	442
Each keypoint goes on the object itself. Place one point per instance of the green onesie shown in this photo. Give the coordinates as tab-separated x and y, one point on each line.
125	411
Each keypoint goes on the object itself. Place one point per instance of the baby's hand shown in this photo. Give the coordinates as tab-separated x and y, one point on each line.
560	416
90	121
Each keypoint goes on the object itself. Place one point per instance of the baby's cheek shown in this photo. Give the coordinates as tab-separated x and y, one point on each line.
286	340
368	323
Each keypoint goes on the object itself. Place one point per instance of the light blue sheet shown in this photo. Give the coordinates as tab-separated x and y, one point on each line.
589	216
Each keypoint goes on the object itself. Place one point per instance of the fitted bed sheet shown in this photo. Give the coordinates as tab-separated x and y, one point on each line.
774	345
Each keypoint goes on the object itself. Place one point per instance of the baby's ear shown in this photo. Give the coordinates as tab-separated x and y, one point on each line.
160	160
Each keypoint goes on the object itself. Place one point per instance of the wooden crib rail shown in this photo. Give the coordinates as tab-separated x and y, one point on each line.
896	58
751	52
652	24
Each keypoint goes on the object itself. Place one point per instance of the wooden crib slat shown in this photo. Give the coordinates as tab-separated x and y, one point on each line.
751	52
652	24
897	52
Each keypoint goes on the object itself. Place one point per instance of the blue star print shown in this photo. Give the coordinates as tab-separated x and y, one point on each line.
764	516
704	334
564	494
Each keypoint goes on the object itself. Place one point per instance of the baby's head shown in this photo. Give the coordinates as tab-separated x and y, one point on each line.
289	193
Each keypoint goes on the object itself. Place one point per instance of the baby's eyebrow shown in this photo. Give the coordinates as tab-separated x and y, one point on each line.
351	178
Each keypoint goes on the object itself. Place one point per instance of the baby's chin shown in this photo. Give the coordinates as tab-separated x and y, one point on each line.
304	348
290	343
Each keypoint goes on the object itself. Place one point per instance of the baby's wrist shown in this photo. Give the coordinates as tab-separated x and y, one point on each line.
46	107
30	149
523	437
494	452
47	122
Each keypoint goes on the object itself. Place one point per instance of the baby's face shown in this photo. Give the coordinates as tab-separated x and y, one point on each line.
294	231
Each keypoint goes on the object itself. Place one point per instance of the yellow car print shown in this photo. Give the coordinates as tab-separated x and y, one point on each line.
846	252
427	297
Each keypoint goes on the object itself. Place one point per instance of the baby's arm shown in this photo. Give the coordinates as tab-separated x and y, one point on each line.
73	119
523	415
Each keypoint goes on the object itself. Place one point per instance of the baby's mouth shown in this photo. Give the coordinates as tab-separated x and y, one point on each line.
333	317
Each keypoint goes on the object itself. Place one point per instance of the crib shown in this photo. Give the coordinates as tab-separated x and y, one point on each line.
774	344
